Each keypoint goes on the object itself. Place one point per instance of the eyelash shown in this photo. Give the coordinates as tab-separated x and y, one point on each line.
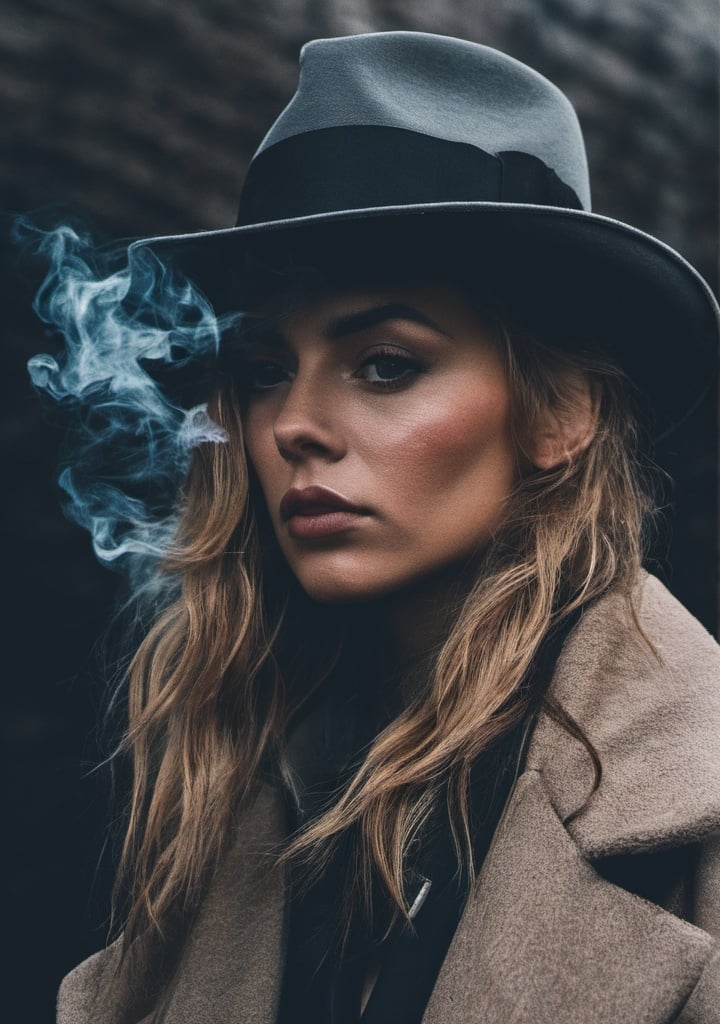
250	366
410	369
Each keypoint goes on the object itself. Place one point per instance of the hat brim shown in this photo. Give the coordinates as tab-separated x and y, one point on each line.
580	279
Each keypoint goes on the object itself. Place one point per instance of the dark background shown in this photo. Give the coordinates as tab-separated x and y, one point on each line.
140	117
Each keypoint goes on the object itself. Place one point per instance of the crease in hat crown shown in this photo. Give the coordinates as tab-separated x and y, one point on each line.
450	89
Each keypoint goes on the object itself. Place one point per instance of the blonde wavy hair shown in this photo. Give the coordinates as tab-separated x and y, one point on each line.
220	675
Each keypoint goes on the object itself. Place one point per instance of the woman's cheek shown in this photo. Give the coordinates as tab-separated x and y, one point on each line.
444	441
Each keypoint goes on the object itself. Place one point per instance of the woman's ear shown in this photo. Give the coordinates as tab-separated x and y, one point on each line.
565	426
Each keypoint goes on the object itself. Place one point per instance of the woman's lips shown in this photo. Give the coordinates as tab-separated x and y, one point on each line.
318	512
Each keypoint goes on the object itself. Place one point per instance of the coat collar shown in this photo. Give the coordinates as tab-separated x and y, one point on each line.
548	938
649	702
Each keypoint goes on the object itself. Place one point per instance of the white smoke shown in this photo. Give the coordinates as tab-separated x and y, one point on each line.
128	441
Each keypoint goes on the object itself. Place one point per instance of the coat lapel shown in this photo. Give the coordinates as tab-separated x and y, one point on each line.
544	939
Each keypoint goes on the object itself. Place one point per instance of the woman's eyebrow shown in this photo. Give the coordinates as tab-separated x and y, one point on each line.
268	332
341	326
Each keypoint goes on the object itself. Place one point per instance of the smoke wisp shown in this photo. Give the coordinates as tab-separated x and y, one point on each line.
125	327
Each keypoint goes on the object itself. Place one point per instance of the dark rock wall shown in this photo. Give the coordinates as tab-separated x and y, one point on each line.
141	117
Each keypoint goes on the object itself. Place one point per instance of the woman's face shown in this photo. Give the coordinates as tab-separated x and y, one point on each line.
395	403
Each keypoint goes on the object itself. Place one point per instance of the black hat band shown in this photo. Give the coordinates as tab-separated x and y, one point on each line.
355	167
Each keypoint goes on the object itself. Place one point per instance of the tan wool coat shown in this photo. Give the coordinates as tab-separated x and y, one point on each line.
558	929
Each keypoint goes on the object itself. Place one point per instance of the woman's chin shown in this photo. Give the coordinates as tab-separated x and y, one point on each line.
343	591
349	586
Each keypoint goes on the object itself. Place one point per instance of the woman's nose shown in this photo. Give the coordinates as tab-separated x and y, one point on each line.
306	423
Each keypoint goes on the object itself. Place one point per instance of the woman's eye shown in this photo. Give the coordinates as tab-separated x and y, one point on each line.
262	374
388	369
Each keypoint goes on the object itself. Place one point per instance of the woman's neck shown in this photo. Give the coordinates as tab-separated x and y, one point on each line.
413	624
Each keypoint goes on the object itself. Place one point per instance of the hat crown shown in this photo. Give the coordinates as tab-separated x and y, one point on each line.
445	88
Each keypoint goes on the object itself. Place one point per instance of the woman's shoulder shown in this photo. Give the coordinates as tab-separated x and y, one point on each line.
240	920
676	635
640	676
85	990
680	639
639	647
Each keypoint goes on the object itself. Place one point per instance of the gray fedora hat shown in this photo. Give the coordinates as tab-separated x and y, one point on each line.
393	139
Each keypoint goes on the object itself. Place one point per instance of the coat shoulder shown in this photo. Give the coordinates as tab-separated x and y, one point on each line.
632	653
81	992
240	920
683	643
647	635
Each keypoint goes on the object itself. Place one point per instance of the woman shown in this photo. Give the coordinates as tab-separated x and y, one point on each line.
419	739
